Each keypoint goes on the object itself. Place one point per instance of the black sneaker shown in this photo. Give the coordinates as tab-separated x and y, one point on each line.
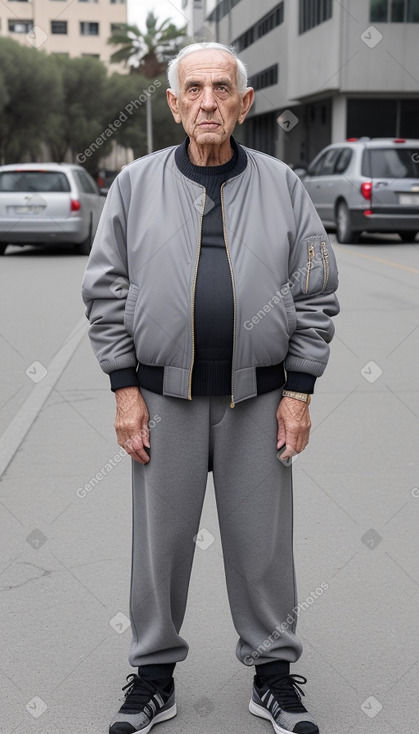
146	704
278	699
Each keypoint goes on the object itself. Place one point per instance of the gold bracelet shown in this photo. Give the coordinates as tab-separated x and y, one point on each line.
302	396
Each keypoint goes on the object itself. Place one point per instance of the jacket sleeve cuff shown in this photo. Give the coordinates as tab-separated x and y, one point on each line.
123	378
299	382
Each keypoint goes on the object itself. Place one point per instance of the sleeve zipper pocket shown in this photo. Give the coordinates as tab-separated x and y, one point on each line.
318	256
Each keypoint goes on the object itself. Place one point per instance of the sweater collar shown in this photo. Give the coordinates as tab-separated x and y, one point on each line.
234	166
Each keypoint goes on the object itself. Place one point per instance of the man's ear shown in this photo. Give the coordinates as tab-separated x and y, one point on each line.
247	101
172	101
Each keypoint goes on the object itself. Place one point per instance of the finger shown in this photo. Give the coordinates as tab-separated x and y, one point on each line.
281	437
145	434
134	446
288	453
141	456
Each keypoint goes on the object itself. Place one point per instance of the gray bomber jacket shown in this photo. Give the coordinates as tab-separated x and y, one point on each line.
139	283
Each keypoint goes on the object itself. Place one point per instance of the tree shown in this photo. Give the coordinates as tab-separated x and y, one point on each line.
30	94
83	111
147	53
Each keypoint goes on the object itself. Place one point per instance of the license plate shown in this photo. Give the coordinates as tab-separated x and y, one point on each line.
409	199
28	209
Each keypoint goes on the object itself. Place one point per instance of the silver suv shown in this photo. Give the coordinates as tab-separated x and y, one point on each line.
48	202
367	185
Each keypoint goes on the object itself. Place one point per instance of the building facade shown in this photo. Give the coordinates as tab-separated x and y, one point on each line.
67	27
324	70
195	12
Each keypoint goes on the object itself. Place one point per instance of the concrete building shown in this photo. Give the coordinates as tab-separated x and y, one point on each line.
196	12
68	27
324	70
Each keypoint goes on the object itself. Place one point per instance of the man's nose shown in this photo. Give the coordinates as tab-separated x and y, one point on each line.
208	101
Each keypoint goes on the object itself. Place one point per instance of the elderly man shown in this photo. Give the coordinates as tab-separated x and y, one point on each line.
209	290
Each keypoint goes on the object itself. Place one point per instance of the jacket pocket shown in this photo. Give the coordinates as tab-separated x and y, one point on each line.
319	277
130	308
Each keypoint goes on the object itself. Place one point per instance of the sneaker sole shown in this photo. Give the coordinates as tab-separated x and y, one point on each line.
163	716
257	710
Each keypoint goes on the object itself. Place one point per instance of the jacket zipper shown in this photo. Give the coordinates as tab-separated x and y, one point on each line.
325	256
232	403
204	196
309	265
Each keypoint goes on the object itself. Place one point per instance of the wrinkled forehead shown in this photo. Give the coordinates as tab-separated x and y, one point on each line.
199	65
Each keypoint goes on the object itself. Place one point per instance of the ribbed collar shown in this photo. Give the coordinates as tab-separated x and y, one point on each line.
234	166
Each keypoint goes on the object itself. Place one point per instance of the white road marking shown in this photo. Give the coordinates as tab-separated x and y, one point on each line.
29	411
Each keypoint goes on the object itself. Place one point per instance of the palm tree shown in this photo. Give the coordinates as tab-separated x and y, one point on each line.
147	53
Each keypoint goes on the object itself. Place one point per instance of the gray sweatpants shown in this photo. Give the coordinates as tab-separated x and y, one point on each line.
253	492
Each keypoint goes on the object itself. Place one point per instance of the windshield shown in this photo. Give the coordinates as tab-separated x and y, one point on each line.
42	181
391	163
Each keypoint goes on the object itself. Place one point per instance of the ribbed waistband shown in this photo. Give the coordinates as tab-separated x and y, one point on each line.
267	378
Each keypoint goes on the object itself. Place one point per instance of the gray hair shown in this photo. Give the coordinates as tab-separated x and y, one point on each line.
173	67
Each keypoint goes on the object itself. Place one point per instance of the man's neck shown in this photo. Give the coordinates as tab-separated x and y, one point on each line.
210	155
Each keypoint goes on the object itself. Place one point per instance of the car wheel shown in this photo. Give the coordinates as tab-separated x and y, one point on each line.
2	248
83	248
344	232
407	236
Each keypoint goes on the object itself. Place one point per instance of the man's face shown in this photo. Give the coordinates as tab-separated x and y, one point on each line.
208	104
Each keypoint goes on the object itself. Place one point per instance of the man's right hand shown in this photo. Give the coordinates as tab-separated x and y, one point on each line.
131	423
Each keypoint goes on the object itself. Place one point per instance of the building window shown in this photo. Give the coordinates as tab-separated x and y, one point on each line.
266	78
89	29
115	27
92	56
314	12
269	21
221	9
59	26
20	26
118	2
87	1
394	11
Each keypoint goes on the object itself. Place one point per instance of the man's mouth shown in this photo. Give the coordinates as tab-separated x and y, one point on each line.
209	124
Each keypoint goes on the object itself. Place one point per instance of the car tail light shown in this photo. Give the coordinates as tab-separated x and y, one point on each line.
351	140
400	140
75	205
367	213
366	190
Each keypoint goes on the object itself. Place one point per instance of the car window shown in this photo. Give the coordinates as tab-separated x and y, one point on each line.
324	165
343	160
89	183
84	183
42	181
391	163
329	161
315	166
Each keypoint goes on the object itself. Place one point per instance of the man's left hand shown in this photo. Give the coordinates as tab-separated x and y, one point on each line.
294	425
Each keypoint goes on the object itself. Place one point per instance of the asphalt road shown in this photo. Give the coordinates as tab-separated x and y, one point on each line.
65	550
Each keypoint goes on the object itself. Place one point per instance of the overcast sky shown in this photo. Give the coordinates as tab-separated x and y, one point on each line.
138	9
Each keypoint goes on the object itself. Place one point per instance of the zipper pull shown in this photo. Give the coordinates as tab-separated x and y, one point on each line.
309	265
232	404
326	267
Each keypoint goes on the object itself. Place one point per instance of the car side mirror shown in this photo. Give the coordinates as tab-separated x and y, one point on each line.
300	172
103	192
